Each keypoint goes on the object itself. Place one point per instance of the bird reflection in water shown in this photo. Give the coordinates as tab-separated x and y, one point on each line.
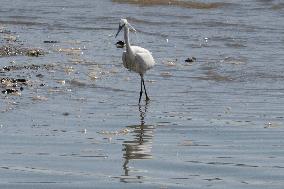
138	148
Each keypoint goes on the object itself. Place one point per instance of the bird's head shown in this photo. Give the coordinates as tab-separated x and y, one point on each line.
123	23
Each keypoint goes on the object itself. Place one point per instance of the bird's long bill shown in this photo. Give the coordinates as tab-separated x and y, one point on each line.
119	29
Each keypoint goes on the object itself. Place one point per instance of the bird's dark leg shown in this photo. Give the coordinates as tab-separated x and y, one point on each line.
141	90
147	98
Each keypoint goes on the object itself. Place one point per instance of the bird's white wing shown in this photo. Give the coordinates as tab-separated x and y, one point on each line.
144	61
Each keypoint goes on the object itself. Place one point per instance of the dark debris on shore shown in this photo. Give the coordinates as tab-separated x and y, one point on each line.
25	67
15	84
14	50
11	82
12	85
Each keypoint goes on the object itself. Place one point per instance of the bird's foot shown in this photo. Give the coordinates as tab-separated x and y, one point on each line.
147	98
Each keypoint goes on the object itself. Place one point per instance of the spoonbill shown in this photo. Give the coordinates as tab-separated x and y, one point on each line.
135	58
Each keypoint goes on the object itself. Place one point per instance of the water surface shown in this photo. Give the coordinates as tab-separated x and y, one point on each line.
216	122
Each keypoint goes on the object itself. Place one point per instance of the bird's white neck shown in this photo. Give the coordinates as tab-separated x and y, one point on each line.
126	38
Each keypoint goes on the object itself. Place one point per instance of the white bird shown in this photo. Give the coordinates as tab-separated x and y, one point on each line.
135	58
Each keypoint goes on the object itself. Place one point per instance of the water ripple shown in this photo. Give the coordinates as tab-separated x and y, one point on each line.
183	4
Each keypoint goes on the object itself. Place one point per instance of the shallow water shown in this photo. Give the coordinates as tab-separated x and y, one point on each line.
216	122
